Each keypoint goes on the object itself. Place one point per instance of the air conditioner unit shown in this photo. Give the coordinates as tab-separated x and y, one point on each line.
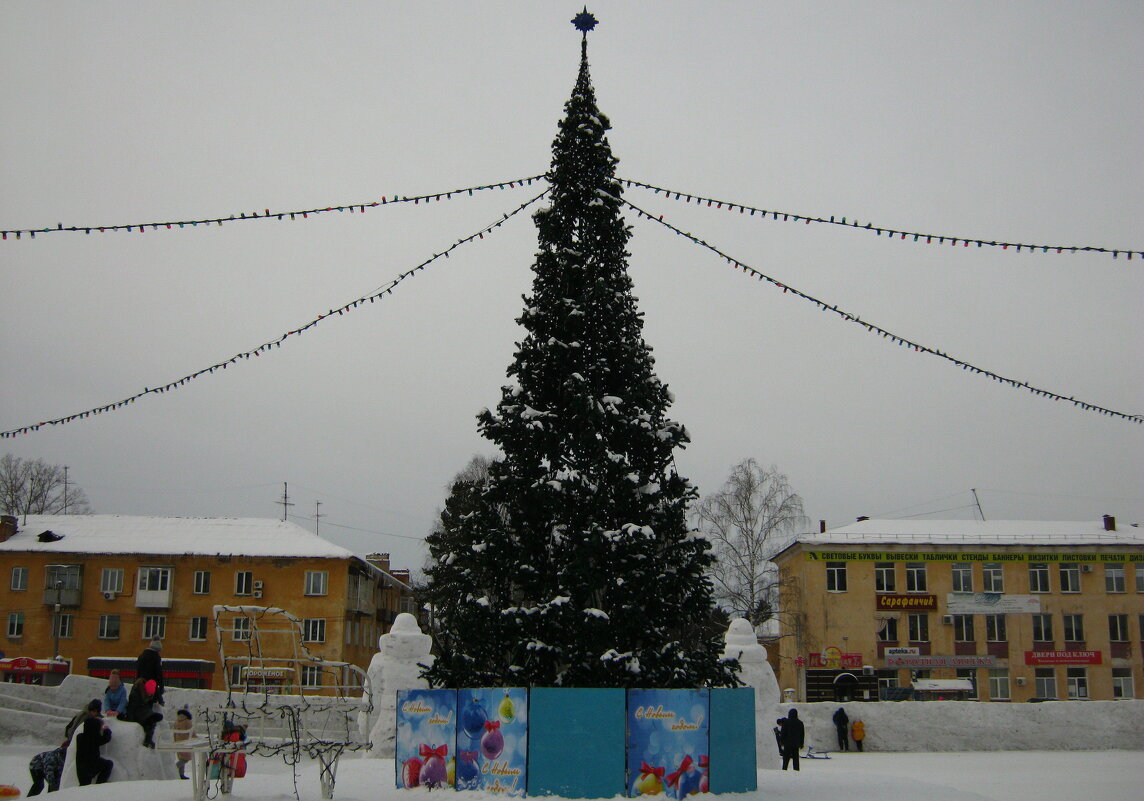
1021	681
1086	568
947	620
109	596
258	586
258	592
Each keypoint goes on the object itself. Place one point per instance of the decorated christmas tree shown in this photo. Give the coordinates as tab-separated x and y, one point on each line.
573	564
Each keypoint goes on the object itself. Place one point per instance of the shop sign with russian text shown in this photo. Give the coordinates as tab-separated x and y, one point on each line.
939	661
1062	657
897	602
991	603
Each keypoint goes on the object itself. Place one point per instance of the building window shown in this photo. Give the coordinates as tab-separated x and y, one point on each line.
1114	578
1045	683
836	577
202	582
1118	628
1122	683
1139	568
1038	576
970	675
64	626
198	628
884	578
963	628
154	627
992	577
242	628
998	684
19	578
243	582
915	576
15	625
995	628
109	627
1042	628
888	630
1070	577
154	579
311	676
111	580
1077	680
317	582
314	629
962	577
919	628
236	675
1074	628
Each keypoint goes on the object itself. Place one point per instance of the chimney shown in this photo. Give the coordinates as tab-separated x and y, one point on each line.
821	526
1109	523
379	560
8	527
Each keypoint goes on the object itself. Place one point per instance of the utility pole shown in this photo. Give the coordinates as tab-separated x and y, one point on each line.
65	489
285	502
317	515
979	512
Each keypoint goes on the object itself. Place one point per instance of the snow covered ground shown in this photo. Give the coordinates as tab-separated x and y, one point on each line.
964	776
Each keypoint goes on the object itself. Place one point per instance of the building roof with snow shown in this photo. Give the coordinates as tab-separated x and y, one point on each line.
1028	533
206	536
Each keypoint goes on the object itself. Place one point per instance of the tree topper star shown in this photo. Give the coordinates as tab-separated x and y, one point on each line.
584	21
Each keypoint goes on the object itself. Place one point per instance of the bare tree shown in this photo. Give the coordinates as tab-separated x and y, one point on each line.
754	516
34	487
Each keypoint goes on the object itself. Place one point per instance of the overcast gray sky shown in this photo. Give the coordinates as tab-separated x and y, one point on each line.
1017	121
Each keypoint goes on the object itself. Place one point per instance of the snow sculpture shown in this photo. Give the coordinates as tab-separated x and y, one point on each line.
132	761
742	645
402	655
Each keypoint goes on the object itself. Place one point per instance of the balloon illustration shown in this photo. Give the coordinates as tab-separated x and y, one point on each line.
411	773
473	719
507	710
433	772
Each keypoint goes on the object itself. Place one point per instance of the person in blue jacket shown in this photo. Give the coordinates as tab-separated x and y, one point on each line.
115	696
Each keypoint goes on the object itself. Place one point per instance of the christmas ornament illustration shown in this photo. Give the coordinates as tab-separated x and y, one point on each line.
492	741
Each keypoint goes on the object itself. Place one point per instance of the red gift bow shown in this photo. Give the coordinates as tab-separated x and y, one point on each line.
492	725
441	751
684	766
704	761
646	769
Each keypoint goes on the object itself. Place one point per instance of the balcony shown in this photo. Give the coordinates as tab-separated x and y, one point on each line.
153	599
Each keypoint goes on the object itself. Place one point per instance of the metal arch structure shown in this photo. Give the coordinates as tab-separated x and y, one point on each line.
288	701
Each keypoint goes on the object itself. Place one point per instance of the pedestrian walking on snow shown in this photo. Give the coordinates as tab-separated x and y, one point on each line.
792	735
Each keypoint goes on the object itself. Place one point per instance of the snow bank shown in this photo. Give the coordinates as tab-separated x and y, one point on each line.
981	726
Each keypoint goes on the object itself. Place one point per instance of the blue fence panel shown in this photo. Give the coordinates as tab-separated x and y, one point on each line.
733	741
576	742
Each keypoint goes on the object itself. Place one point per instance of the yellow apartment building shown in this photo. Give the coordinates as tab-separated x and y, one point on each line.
87	593
998	610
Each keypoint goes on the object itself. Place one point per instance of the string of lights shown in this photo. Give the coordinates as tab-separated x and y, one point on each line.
885	334
266	214
891	233
384	290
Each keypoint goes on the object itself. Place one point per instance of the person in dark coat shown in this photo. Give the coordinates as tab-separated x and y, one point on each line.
89	765
47	767
842	725
792	736
141	709
149	665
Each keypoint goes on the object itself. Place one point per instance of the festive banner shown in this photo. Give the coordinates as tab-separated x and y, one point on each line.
492	740
668	743
426	738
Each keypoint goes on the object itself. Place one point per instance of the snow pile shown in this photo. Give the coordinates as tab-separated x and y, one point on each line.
132	762
982	726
